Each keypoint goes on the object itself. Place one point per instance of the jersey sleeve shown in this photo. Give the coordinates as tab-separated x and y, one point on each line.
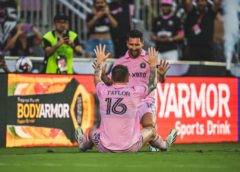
146	106
142	90
99	88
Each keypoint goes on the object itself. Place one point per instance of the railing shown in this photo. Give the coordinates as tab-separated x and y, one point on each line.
177	68
41	13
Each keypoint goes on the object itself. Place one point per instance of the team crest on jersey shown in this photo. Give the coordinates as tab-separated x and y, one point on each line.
143	65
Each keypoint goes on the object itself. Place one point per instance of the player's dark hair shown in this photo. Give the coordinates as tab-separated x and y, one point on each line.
60	16
120	73
135	34
95	1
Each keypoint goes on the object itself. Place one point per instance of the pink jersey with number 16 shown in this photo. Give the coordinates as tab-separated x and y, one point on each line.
120	124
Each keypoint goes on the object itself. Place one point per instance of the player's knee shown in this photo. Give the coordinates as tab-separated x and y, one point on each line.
148	120
152	130
146	125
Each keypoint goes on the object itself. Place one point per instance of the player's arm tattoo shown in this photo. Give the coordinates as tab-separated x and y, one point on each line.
152	84
97	73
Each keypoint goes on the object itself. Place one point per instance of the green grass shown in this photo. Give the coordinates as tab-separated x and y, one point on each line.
181	158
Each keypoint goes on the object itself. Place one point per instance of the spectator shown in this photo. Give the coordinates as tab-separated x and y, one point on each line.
22	39
121	11
99	23
218	37
199	28
60	45
3	65
8	19
167	31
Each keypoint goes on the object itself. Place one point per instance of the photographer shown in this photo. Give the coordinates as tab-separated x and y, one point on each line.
60	45
22	39
99	24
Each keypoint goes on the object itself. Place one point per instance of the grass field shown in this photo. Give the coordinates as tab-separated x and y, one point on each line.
181	158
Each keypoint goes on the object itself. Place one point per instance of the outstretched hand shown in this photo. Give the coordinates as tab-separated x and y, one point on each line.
163	67
153	54
100	53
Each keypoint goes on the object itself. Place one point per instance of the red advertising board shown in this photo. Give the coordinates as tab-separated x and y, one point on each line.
203	109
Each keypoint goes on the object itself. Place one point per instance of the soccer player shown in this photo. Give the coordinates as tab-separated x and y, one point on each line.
136	59
121	110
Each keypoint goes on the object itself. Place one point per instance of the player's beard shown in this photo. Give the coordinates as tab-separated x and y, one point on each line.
135	53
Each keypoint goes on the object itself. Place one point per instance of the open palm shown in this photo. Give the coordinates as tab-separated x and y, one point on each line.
152	54
163	67
100	53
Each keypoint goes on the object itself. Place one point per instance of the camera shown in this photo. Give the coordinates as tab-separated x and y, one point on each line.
65	34
28	29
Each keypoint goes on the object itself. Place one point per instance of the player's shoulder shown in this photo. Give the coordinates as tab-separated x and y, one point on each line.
122	59
144	56
101	85
119	61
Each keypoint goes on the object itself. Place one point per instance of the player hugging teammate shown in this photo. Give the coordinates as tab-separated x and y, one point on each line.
127	105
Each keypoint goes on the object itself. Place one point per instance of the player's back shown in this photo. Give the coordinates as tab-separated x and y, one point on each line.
120	125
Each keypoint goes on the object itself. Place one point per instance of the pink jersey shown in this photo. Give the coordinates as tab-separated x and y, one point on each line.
120	124
139	68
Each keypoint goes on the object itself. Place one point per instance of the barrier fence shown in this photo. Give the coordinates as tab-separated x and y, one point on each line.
178	68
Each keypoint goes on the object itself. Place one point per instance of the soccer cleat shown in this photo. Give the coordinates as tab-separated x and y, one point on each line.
79	136
171	138
153	149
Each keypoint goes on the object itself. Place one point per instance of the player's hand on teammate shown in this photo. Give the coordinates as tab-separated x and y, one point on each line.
100	53
153	54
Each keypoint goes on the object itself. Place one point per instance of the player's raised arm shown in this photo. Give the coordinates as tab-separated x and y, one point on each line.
104	77
152	53
162	69
101	56
100	53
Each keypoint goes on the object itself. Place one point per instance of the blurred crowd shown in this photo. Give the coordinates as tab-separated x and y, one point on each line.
182	30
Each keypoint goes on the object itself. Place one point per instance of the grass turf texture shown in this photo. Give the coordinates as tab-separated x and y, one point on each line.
207	157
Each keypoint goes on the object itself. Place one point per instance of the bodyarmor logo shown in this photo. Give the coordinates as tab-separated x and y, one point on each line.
184	99
34	110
